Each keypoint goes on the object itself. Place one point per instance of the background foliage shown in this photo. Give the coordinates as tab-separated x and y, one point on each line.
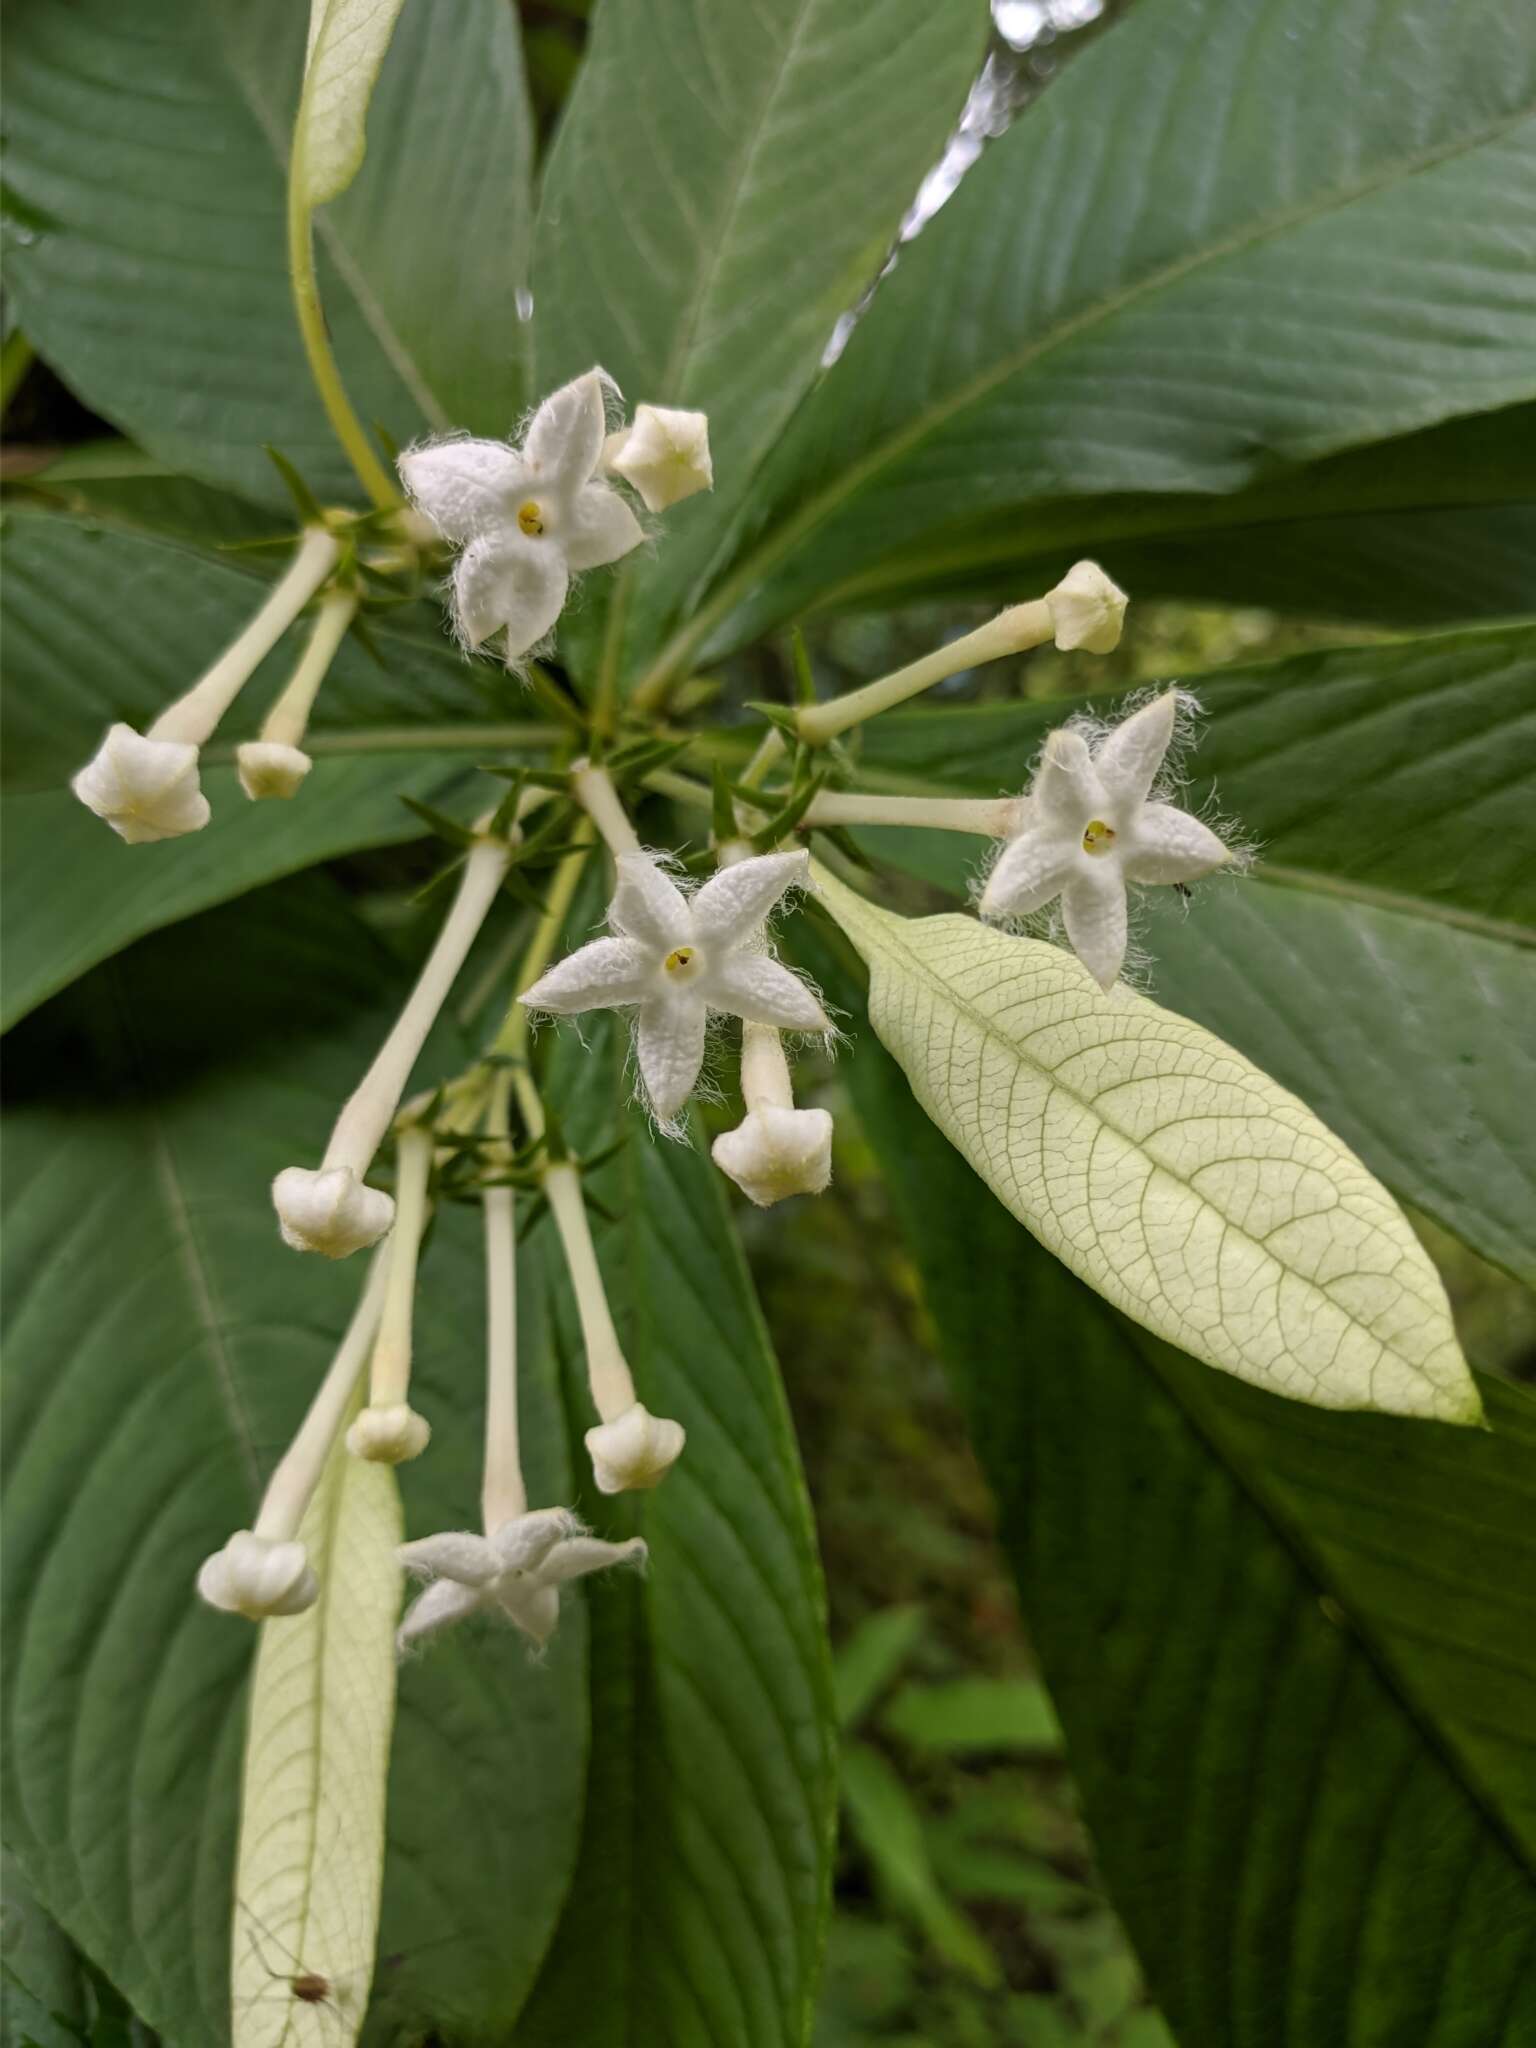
1242	304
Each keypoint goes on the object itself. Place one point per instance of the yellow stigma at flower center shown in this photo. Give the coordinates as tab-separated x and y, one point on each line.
680	960
530	518
1099	837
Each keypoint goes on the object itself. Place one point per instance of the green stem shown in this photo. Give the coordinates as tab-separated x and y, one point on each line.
348	429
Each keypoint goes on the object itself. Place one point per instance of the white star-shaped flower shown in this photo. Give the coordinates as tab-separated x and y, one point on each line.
1087	829
145	788
664	455
516	1571
526	519
677	958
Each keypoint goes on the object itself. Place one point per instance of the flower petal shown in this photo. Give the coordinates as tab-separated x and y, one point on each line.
534	1608
648	906
464	487
508	581
1168	845
759	989
732	904
669	1044
455	1554
1029	871
1066	793
1127	759
598	976
579	1555
522	1544
599	528
444	1602
564	443
1093	905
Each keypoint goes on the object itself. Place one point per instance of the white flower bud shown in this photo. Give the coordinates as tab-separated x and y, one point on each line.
776	1152
257	1577
634	1451
267	768
1087	610
146	789
664	454
328	1210
389	1436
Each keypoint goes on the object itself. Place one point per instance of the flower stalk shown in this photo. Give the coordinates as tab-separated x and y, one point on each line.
388	1430
630	1449
345	424
273	764
329	1210
265	1570
193	717
503	1495
593	789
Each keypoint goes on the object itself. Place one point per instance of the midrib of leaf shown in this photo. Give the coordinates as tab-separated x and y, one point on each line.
328	1595
1312	1565
942	993
687	330
395	350
188	1253
1502	930
817	508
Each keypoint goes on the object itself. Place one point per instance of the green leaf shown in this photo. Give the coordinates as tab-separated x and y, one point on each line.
163	1344
1128	295
154	278
725	184
310	1866
974	1713
871	1658
699	1903
100	626
1383	952
42	1993
1297	1700
1163	1168
890	1828
347	41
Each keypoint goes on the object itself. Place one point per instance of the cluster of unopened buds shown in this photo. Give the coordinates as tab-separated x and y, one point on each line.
1095	820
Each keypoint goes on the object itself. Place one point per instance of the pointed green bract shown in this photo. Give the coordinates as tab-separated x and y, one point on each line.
1162	1167
311	1861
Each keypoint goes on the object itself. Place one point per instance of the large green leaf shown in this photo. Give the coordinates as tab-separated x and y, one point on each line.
698	1908
1422	529
1298	1696
1229	240
162	1345
149	263
711	1774
1382	954
101	625
726	182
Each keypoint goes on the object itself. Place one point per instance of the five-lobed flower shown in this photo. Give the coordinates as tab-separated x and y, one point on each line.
675	958
1087	828
517	1571
526	519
